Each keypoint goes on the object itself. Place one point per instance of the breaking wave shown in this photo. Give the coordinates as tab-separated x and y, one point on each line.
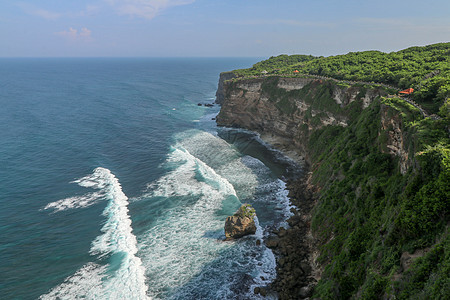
123	276
183	252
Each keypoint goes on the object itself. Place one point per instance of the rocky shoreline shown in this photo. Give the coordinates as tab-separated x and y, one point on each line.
294	246
246	105
297	273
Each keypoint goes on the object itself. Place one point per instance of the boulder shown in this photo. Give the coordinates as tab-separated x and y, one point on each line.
272	242
242	223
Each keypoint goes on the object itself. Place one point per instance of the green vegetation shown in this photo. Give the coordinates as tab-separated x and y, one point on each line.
384	179
426	69
246	210
319	95
275	64
369	214
429	276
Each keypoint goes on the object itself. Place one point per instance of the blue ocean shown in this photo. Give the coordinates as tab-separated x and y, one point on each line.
115	183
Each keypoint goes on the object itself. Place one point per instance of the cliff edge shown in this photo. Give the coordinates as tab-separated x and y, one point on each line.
376	194
286	111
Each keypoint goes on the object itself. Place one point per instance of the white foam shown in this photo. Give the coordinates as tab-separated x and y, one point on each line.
222	157
178	246
283	201
94	282
128	281
96	180
180	251
86	282
75	202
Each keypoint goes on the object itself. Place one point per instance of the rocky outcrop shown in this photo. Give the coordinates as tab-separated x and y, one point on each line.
396	140
291	108
220	95
242	223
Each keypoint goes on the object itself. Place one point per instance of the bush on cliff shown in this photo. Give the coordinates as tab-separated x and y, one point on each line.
426	69
369	213
246	210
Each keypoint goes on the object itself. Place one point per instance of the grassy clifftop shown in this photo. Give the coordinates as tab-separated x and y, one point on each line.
426	69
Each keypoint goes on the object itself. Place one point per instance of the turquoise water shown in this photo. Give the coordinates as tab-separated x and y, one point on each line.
115	184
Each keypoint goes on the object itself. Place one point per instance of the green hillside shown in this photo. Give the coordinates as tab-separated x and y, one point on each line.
382	215
370	216
426	69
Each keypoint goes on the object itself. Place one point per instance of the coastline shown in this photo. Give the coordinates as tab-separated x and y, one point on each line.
294	247
379	163
297	274
285	146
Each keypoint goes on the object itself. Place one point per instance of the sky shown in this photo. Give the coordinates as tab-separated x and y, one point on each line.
217	28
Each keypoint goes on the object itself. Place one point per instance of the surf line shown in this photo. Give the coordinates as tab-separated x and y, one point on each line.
117	241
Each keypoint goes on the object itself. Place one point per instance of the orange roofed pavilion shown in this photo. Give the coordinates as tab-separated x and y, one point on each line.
407	91
296	71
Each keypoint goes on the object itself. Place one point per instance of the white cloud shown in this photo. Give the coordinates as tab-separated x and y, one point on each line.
145	8
74	35
52	15
46	14
87	11
39	12
296	23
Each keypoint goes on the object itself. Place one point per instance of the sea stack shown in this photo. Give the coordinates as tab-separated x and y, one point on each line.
240	224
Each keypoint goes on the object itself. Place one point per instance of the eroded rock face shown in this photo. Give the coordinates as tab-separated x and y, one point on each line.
289	108
220	95
242	223
396	144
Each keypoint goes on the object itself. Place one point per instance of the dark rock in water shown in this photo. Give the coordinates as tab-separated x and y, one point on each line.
199	104
213	119
282	232
242	223
260	290
258	242
208	104
272	242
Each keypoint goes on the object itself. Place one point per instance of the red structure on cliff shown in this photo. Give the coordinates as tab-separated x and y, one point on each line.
407	91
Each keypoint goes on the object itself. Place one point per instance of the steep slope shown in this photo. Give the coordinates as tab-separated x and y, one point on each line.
380	173
292	108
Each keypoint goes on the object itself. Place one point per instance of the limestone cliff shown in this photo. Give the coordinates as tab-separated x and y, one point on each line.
220	96
395	142
290	109
289	112
377	188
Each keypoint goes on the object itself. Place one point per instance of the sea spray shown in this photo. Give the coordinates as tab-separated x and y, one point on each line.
123	277
224	159
85	113
185	258
187	237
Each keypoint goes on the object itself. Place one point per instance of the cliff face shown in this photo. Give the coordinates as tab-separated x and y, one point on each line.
220	96
366	200
395	142
290	108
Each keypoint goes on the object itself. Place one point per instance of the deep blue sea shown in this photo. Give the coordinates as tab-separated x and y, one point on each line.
115	183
